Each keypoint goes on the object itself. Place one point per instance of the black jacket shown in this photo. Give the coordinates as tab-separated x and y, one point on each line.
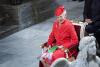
92	10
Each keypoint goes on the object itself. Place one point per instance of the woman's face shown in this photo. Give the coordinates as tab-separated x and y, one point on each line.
60	19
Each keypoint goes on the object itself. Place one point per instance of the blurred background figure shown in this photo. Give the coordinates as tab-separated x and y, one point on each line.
91	15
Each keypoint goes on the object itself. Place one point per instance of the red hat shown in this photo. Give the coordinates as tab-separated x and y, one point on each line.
59	10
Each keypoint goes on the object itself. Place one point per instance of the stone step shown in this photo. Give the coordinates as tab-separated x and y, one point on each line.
43	9
7	30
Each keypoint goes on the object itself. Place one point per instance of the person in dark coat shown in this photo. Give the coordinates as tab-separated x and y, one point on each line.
78	0
91	15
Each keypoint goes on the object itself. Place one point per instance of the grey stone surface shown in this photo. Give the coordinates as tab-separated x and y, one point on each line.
11	13
43	9
18	14
25	15
4	1
7	30
15	18
75	13
22	48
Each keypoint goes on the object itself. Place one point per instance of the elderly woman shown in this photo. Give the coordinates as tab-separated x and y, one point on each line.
63	35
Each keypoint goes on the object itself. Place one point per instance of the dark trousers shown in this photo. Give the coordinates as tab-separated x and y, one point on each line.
97	36
95	28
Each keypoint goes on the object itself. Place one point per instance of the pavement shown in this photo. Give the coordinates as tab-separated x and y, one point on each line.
21	49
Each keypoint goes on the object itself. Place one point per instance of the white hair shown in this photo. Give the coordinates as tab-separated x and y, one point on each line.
64	14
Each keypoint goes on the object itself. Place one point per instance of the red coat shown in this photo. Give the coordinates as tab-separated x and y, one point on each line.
65	35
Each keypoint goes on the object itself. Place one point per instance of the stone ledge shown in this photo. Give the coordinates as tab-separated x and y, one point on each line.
7	30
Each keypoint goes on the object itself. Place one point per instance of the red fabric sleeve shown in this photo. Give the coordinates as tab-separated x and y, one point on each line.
51	38
73	36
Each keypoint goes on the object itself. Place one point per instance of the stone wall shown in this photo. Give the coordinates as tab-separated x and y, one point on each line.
43	9
25	15
11	15
4	1
28	13
14	2
20	15
15	15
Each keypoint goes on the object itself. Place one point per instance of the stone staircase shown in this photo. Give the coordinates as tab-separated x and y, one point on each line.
7	30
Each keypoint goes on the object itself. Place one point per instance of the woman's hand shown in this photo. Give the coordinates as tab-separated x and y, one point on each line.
63	48
49	47
60	47
66	50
